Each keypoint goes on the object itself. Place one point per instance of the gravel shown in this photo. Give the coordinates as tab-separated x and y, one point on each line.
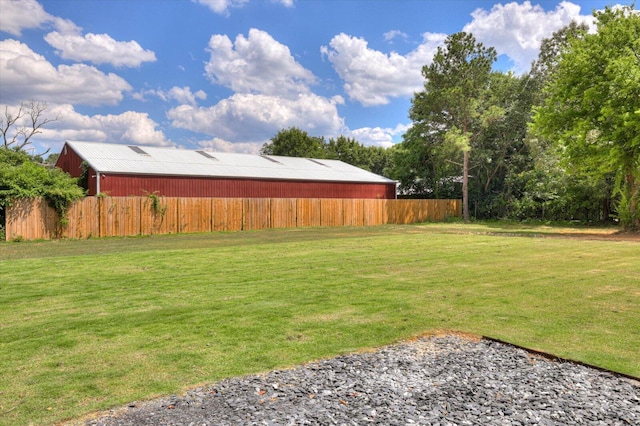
430	381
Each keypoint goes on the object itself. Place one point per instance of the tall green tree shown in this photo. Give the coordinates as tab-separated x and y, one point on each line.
293	142
500	148
451	103
592	106
549	190
551	50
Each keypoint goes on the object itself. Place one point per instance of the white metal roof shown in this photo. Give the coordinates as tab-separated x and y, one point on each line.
148	160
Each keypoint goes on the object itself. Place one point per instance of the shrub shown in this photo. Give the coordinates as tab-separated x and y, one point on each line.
20	177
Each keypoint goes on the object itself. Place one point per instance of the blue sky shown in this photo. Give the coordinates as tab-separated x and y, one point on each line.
227	75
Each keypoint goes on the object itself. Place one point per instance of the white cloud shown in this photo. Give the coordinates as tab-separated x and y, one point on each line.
272	92
378	136
26	75
256	64
182	95
221	7
517	30
128	127
219	145
18	15
134	127
99	49
255	118
372	77
394	34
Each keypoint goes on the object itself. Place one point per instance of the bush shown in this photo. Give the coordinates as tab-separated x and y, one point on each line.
20	177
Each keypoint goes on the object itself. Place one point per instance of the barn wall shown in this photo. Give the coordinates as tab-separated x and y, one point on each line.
70	162
177	186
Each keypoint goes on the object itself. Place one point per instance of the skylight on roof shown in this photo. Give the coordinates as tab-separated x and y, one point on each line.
138	149
270	159
206	154
317	162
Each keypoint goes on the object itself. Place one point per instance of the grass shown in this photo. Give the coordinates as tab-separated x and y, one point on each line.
92	324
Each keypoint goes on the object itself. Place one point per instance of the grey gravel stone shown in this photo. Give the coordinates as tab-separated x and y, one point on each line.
432	381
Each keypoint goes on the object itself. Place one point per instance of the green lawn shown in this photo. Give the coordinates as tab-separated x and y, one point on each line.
92	324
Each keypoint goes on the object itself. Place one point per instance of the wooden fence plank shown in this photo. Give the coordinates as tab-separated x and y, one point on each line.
108	217
331	212
24	220
16	215
256	213
438	211
422	211
353	212
204	214
83	219
227	214
132	215
455	208
374	212
283	212
308	212
184	220
194	214
170	224
158	216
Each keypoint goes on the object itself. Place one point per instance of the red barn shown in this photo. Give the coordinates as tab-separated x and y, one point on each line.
124	170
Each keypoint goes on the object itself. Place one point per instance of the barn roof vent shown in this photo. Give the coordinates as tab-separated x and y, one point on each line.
138	150
207	155
270	159
317	162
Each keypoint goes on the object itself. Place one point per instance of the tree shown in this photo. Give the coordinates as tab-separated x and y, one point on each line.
373	158
380	160
294	142
551	50
451	104
421	165
15	132
348	150
592	107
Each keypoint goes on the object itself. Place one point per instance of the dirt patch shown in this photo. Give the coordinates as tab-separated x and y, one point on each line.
575	235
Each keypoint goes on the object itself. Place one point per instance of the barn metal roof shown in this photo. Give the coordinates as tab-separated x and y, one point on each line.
147	160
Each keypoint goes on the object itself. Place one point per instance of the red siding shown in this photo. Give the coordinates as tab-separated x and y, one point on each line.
187	186
70	162
179	186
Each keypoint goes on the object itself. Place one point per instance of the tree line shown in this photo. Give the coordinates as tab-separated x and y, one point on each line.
294	142
560	142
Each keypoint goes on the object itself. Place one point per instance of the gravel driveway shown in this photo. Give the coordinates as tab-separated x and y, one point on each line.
445	380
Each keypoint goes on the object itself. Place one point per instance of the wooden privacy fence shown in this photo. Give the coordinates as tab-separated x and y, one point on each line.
32	219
